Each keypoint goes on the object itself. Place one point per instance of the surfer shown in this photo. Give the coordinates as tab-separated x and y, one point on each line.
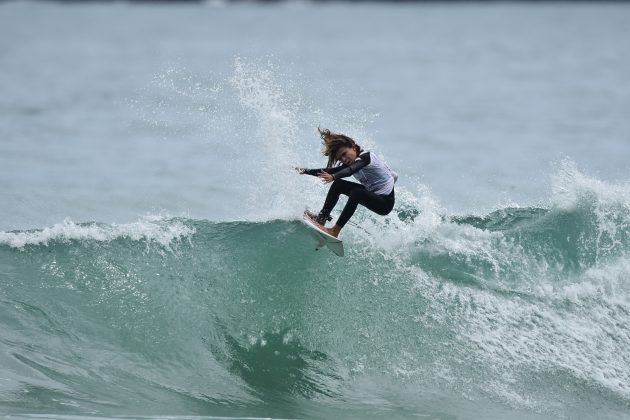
376	188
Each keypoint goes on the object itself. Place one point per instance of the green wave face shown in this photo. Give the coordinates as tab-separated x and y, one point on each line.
522	308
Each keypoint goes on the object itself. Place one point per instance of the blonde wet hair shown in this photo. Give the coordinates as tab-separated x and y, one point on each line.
333	142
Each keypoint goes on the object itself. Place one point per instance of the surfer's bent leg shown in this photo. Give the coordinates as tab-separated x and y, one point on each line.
338	187
380	204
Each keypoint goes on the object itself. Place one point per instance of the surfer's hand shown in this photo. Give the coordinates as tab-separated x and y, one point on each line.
299	170
326	177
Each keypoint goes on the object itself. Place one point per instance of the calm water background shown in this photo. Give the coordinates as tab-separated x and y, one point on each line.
151	264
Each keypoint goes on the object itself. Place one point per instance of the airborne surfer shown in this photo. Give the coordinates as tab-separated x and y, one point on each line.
376	188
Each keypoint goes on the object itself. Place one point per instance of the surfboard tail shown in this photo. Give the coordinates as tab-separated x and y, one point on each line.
336	247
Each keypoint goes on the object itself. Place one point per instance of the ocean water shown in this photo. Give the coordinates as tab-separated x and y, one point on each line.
152	261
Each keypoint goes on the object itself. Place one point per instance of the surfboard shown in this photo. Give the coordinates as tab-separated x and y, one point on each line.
322	238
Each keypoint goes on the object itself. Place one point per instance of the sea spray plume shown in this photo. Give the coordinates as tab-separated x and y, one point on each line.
256	123
276	193
608	207
283	135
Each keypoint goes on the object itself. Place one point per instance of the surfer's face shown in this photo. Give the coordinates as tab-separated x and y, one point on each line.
347	155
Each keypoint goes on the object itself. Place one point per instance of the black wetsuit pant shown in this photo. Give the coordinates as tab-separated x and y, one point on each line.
357	194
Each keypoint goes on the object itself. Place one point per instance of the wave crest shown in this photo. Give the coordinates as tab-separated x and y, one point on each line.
151	229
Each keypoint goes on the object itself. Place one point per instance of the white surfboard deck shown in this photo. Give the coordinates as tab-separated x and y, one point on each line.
323	238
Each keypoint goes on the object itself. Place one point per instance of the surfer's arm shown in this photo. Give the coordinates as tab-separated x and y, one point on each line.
341	171
347	170
313	172
316	172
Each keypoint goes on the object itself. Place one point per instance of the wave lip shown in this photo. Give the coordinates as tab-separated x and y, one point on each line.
151	229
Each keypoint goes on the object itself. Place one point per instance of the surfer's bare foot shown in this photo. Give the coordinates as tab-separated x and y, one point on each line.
310	215
316	218
332	231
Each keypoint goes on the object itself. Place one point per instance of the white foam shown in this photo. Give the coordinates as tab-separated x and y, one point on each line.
510	335
610	282
151	228
609	203
570	188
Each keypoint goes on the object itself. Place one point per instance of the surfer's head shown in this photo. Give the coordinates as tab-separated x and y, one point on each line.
338	147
